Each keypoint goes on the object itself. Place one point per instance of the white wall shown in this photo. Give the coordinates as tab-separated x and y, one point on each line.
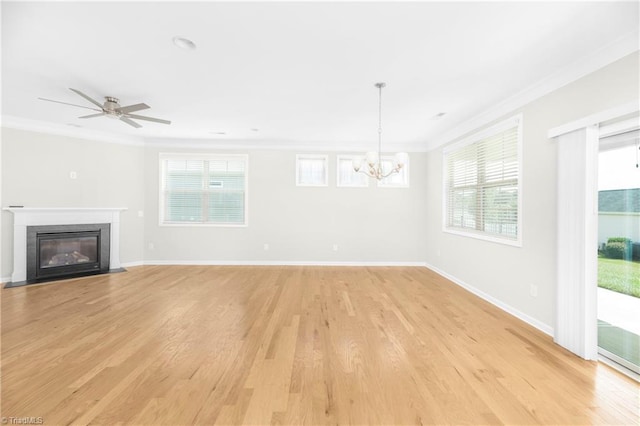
35	173
300	224
504	272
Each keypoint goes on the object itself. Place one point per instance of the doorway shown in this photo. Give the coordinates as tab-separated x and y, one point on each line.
618	290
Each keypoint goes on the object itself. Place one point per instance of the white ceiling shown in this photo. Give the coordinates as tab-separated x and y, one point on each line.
301	73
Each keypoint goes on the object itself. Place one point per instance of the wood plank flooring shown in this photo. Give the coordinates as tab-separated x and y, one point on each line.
182	345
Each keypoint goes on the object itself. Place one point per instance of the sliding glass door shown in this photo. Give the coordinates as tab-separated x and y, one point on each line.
619	250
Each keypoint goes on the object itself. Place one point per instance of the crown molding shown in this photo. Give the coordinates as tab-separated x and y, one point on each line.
12	122
278	145
600	58
19	123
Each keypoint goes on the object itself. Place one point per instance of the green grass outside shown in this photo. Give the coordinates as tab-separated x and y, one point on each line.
618	275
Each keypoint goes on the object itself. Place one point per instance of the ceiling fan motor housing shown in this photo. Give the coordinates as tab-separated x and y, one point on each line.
110	106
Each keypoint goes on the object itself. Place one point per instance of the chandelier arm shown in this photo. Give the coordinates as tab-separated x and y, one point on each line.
366	172
396	170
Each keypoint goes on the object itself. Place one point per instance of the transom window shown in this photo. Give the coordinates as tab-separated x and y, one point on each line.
347	176
483	186
312	170
395	180
203	189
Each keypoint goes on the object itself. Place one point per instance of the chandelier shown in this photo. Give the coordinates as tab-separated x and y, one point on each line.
373	164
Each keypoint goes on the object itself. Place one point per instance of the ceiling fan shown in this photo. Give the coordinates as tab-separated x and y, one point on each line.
111	108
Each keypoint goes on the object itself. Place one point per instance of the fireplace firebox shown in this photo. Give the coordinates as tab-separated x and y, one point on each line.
63	251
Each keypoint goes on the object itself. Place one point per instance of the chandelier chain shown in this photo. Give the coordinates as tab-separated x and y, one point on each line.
380	86
373	167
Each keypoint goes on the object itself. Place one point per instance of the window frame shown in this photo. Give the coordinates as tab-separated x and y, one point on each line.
348	157
324	157
405	169
201	157
515	121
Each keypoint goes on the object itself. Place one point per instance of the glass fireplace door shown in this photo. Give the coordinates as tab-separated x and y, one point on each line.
67	251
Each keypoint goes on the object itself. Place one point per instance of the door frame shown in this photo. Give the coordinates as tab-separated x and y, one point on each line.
577	194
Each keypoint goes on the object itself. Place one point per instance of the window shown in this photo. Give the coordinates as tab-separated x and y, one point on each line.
200	189
482	184
311	170
396	180
347	176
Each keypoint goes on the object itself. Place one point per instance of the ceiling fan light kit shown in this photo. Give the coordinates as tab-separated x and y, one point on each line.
111	108
373	160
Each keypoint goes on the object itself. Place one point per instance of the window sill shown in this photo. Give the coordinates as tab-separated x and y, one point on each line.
484	237
202	225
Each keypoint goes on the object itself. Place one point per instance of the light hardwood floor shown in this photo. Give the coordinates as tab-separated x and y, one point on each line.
289	345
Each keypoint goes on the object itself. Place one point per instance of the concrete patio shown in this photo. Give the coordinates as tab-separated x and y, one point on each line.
619	310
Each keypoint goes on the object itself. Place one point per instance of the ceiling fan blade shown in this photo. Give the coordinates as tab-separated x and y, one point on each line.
142	117
132	108
93	101
130	122
93	115
66	103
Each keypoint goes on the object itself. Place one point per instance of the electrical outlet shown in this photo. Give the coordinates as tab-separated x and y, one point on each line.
73	175
438	252
266	247
533	290
335	247
152	246
140	213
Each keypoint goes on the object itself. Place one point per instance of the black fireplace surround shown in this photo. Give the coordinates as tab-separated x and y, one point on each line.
64	251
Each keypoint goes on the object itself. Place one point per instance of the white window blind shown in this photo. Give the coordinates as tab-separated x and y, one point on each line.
482	183
311	170
347	176
209	190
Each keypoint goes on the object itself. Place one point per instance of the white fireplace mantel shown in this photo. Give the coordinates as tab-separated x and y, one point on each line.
35	216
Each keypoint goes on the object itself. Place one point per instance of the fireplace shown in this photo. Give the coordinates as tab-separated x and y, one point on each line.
62	251
86	217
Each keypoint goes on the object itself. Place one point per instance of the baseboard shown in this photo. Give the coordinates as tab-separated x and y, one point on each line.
276	263
507	308
136	263
5	279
